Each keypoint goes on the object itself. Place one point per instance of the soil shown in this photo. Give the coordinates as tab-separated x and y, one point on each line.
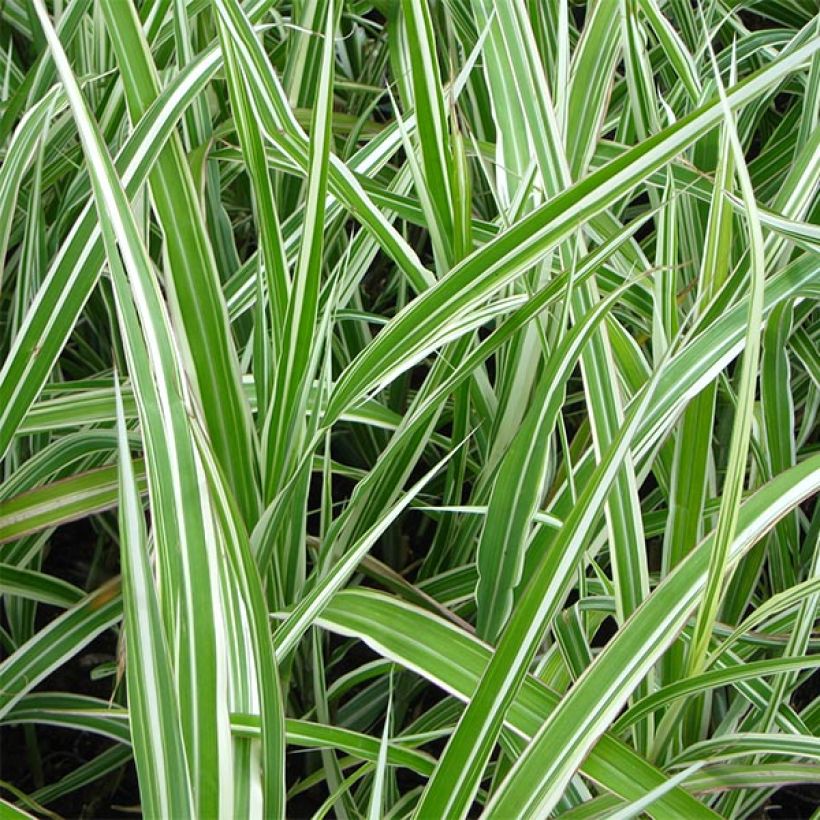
56	753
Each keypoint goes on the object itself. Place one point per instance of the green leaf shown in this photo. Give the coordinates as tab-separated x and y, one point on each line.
164	777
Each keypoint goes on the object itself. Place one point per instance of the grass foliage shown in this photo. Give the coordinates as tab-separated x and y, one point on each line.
436	385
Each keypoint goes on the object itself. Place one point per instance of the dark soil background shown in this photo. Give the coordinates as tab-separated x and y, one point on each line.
58	752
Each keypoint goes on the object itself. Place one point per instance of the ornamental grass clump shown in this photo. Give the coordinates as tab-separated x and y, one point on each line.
409	409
